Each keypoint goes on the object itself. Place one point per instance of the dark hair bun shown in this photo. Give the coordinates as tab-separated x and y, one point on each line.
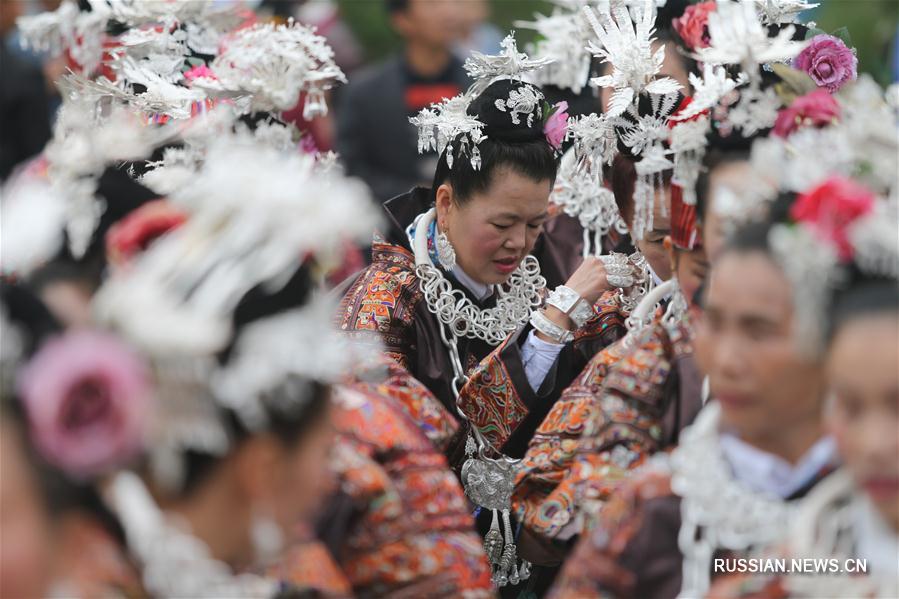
499	124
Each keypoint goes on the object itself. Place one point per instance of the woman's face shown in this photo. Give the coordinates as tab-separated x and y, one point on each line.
691	267
653	243
27	551
864	379
494	230
745	343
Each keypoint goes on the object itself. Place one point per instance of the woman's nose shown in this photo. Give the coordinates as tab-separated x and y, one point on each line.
517	239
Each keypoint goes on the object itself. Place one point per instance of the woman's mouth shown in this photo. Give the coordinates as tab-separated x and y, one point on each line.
506	265
735	401
882	488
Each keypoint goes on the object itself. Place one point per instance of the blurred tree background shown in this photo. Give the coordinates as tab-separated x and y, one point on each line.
872	25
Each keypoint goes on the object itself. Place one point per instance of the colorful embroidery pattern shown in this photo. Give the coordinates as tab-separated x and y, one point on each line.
490	400
382	301
603	427
418	403
414	529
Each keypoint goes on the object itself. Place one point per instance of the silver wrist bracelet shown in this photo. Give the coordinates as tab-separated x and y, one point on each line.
567	300
544	325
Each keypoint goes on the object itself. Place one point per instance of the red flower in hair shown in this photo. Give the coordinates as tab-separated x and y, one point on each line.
134	233
815	109
830	208
693	26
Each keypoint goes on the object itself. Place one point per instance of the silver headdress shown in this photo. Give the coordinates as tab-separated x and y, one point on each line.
86	140
441	124
563	39
645	135
243	232
579	188
778	12
448	122
739	35
508	64
67	28
274	64
840	151
626	43
860	144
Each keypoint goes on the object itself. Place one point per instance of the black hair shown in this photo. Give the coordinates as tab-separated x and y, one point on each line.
862	295
395	6
284	423
522	147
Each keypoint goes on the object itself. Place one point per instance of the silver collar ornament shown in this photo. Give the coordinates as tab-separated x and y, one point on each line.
717	511
173	562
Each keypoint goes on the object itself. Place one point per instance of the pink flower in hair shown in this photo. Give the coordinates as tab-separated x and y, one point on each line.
556	126
828	61
200	71
87	400
831	208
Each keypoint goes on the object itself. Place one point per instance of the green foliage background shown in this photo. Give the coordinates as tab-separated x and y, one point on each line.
871	24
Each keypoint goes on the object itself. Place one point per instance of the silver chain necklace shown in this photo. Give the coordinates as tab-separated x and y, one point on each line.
514	303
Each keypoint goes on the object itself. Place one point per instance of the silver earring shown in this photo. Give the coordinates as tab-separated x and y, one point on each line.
267	538
446	254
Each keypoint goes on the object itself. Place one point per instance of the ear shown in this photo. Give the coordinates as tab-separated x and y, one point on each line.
445	204
671	251
256	465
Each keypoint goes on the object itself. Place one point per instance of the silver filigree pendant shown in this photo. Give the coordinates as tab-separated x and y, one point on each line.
487	484
446	253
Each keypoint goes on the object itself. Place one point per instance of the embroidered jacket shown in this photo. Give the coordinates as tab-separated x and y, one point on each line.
400	522
630	401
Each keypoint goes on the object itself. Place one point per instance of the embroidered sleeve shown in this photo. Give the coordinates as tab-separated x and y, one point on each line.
551	451
381	303
491	399
603	329
418	403
413	529
603	427
598	568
